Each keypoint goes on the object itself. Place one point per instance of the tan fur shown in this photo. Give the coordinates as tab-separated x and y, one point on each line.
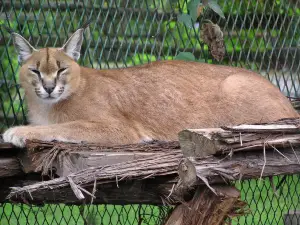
153	101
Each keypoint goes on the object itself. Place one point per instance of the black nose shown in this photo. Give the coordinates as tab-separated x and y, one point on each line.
49	90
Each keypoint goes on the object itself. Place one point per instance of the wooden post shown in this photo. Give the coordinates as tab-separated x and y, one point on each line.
207	208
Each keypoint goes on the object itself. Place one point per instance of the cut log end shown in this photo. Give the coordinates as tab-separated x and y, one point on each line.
197	142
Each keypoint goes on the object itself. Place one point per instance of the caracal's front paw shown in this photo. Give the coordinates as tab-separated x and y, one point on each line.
16	136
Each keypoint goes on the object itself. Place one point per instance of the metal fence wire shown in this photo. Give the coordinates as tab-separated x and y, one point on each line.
271	201
262	35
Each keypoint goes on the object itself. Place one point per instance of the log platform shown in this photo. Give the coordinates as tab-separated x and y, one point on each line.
191	173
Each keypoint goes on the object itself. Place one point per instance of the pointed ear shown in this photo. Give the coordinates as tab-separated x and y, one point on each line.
23	47
73	45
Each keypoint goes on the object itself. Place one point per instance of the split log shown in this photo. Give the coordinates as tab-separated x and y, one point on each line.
204	142
210	170
206	208
118	164
124	192
9	167
68	158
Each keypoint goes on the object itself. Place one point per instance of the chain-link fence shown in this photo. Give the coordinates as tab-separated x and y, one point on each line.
259	35
269	201
60	214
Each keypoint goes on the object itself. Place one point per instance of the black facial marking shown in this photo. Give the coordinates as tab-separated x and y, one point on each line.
58	64
47	55
47	58
60	71
37	91
37	73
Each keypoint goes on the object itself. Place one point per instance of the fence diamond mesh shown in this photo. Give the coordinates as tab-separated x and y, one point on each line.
259	35
86	215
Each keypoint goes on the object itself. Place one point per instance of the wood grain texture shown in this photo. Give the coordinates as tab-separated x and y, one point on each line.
160	167
206	208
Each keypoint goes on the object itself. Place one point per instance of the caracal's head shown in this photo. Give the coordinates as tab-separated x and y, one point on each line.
49	74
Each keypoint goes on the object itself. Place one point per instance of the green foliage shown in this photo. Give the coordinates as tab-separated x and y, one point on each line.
193	8
186	56
186	19
216	8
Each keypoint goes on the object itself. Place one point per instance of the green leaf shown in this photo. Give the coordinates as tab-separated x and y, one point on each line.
216	8
187	56
186	19
201	60
192	6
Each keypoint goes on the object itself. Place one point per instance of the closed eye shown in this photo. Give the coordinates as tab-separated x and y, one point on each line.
36	72
61	70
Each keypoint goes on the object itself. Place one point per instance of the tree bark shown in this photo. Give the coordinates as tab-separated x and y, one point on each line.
9	167
206	208
210	170
205	142
234	159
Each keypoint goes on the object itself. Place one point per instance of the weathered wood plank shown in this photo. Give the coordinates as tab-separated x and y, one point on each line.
76	161
241	165
124	192
69	157
9	167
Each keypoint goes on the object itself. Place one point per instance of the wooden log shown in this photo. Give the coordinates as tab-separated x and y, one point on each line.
198	142
161	160
241	165
206	208
69	157
77	161
205	142
187	180
9	167
124	192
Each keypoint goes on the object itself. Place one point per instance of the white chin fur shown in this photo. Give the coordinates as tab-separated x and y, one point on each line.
55	97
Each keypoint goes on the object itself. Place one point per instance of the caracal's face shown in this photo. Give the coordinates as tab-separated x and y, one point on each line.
49	74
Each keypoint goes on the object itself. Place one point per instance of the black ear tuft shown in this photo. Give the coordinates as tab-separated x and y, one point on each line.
86	24
73	45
